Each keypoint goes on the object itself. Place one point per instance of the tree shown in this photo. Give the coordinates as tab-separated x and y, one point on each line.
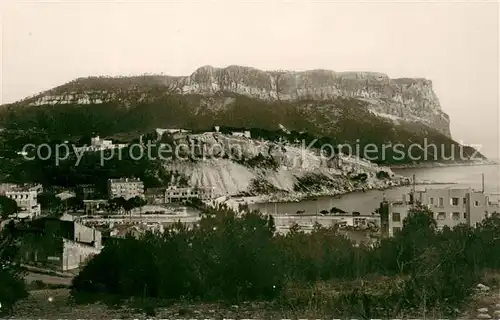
8	207
116	204
132	203
49	201
12	286
418	233
271	224
74	203
419	220
137	202
129	205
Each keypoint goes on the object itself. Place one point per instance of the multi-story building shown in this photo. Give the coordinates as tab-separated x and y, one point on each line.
450	207
26	199
155	195
126	188
176	194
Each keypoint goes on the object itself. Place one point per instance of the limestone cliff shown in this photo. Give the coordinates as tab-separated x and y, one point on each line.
404	98
216	162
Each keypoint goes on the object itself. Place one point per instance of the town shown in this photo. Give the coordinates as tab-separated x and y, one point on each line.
249	160
84	220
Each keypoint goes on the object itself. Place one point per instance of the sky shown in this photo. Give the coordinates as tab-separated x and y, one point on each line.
454	44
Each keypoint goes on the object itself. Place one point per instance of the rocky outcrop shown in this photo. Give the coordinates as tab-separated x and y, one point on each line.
405	98
223	163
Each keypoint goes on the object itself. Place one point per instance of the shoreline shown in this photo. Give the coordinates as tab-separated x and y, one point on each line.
443	165
235	201
397	181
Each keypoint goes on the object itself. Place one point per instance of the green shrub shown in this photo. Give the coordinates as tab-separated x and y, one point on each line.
224	258
233	258
12	286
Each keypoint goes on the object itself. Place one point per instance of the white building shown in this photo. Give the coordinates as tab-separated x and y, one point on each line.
450	207
26	200
98	144
176	194
25	197
160	131
244	134
126	188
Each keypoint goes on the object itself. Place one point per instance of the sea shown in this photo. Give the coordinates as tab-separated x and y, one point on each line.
366	202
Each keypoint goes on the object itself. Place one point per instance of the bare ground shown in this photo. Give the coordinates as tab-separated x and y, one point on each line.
58	304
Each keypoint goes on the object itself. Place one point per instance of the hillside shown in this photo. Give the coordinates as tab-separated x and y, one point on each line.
406	98
232	165
341	108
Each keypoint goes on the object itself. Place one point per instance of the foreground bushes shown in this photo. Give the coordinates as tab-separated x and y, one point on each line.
236	259
224	257
12	286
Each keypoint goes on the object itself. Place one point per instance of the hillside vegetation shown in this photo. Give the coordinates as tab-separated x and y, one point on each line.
419	271
340	121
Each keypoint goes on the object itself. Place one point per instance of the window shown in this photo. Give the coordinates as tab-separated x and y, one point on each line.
396	230
358	221
455	215
454	202
476	203
396	217
441	216
431	201
441	202
465	215
465	200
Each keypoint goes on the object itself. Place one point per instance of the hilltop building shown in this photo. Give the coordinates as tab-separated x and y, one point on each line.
160	132
126	188
98	144
243	134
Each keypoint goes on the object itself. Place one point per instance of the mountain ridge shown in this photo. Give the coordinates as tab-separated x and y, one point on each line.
407	98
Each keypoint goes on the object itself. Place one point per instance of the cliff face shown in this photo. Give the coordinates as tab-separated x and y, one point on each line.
298	171
408	99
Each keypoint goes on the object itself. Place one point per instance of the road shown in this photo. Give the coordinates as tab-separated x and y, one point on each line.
45	278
